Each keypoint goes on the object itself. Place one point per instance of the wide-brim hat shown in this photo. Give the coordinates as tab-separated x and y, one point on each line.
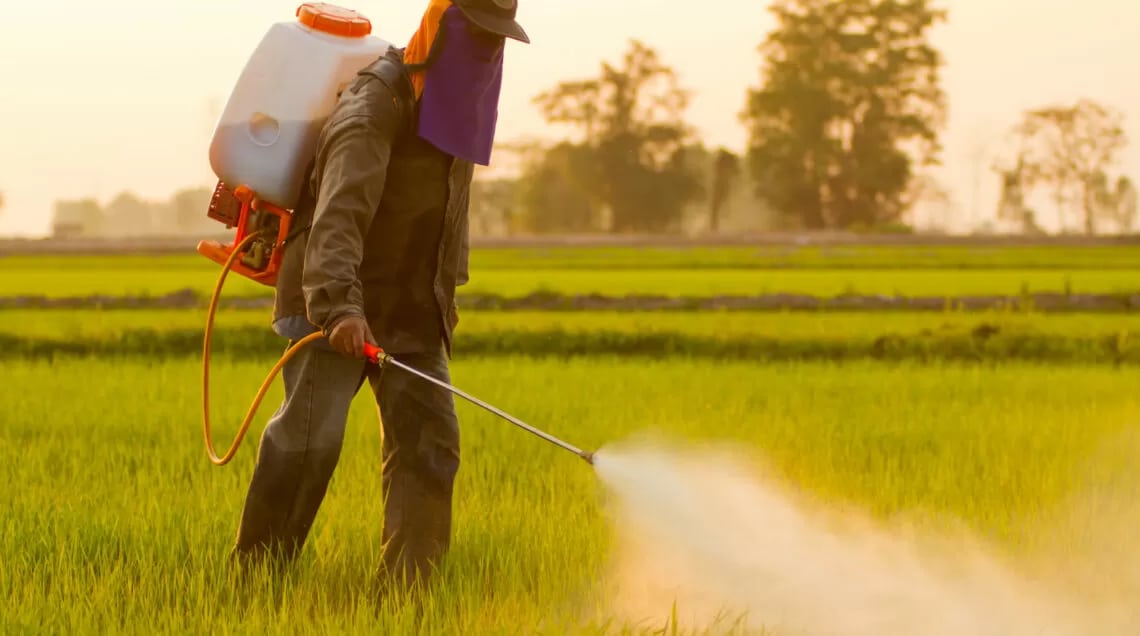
496	16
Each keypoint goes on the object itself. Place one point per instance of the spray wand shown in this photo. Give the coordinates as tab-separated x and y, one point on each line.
376	355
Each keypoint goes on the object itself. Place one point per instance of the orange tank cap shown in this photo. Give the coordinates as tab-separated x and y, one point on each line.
330	18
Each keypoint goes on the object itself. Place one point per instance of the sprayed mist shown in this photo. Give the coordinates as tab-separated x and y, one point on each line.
735	552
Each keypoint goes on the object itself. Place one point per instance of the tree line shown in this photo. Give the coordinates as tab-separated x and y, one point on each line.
128	215
843	129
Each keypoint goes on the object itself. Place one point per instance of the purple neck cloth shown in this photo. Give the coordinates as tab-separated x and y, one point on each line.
460	103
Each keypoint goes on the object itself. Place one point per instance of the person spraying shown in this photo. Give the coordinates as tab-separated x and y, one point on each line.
380	246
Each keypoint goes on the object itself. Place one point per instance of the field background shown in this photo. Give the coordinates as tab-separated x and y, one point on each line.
985	383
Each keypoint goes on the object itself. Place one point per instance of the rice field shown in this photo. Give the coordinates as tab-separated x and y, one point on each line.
108	323
1115	270
660	282
115	521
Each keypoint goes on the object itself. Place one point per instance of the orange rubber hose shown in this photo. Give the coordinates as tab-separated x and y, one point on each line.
225	459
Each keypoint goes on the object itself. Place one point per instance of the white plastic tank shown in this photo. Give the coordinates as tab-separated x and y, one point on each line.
267	133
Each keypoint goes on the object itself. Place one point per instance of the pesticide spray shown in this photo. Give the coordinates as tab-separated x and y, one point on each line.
706	542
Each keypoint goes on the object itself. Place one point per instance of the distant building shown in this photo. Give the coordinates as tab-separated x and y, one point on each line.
75	219
130	216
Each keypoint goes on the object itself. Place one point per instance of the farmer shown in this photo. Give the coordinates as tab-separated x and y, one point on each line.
383	245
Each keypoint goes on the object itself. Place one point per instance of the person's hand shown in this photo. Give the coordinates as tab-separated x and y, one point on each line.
349	334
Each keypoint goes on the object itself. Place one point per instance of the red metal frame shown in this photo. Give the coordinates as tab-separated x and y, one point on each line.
221	209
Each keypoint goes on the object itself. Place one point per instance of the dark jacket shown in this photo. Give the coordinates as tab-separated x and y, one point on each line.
388	214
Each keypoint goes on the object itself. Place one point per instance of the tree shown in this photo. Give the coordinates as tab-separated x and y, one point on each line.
850	103
1011	203
633	141
1071	149
1127	205
1115	202
555	192
726	169
492	205
128	215
187	210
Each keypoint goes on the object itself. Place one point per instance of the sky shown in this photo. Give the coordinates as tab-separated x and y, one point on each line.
105	96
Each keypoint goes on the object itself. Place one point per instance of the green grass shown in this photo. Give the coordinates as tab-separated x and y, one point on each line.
695	282
738	257
672	272
827	257
115	521
110	323
995	336
157	280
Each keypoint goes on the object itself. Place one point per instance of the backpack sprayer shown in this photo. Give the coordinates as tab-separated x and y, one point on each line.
263	142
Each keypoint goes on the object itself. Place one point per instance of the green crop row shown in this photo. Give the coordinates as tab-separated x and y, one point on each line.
94	324
1110	256
201	280
983	343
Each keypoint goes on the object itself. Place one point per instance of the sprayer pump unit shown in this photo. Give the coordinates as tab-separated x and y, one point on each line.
253	217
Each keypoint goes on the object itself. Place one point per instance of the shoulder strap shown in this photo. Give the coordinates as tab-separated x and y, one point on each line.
390	70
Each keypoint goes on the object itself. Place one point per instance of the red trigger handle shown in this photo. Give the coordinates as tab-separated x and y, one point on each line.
373	353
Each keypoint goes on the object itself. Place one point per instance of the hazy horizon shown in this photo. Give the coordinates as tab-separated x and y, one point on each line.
122	94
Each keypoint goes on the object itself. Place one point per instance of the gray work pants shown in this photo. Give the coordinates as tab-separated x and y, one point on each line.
301	444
